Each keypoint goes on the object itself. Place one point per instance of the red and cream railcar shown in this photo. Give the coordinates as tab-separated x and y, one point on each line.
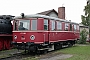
40	32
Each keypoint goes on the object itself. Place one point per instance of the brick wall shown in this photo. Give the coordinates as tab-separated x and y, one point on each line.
61	12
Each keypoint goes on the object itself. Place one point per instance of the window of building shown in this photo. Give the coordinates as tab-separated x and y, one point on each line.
75	27
66	26
33	24
53	25
24	25
59	25
45	24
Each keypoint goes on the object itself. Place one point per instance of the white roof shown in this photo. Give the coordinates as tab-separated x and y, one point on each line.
43	16
80	24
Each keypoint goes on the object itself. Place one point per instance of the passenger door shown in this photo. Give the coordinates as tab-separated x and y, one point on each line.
46	29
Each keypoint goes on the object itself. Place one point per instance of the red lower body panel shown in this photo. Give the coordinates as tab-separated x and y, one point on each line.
45	36
5	42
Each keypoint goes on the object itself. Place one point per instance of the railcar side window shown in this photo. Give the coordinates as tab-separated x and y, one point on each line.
59	25
24	25
53	25
70	27
45	24
33	24
75	27
66	26
15	25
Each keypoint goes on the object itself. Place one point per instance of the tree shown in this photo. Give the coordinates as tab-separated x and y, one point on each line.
83	36
86	18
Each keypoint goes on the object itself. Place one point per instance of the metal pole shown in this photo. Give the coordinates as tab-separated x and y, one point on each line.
89	16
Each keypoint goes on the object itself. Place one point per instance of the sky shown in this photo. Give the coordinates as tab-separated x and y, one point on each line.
73	8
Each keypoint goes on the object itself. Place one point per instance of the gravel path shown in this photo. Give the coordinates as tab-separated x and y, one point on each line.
58	57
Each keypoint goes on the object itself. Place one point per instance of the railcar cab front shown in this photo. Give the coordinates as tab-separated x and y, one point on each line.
30	31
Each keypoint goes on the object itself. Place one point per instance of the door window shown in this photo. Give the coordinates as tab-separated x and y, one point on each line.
45	24
52	25
59	25
33	24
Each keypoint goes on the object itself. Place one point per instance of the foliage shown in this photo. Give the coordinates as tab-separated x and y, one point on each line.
83	36
86	18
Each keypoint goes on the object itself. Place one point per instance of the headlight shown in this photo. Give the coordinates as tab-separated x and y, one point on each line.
32	37
15	37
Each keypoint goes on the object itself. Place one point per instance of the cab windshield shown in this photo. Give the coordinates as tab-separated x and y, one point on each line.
22	25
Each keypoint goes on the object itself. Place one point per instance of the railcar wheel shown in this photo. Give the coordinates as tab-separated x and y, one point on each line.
70	44
37	51
44	51
58	46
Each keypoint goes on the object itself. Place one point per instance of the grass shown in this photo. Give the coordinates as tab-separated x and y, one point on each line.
78	52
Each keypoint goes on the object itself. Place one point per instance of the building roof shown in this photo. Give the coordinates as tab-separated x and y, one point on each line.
81	25
47	12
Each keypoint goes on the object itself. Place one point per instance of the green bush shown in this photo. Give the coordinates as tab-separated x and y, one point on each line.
83	36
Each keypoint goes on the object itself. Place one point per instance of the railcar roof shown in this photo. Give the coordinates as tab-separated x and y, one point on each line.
44	16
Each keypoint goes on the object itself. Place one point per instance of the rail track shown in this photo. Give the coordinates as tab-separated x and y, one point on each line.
14	54
17	56
21	55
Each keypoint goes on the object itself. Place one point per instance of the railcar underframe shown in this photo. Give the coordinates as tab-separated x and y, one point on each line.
32	47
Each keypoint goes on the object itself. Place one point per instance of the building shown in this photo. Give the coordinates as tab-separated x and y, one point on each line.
60	14
81	26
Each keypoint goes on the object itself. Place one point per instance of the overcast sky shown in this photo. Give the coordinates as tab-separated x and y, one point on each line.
74	8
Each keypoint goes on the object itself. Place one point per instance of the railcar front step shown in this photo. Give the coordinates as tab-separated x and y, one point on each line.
43	49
